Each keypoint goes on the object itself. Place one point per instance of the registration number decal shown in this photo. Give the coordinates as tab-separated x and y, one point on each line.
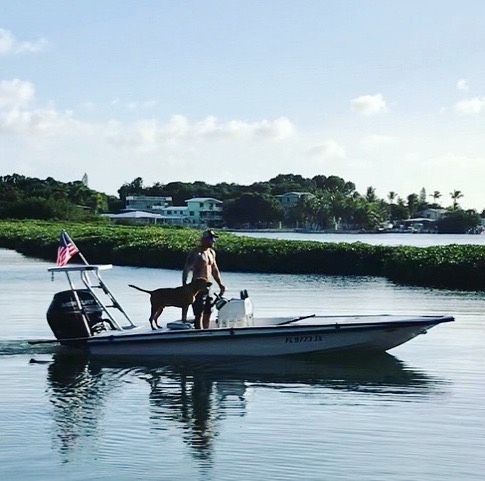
299	339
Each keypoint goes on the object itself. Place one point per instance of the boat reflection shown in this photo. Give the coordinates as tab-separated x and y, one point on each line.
196	397
77	393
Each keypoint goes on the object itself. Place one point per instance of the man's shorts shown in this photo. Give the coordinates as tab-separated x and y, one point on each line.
203	303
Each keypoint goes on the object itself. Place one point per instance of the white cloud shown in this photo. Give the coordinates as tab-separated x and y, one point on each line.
151	134
9	45
372	142
462	85
19	117
264	129
134	104
329	149
177	127
471	106
280	128
369	104
16	93
38	121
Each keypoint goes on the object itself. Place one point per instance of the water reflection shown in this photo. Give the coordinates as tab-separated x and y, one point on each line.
194	398
77	393
186	399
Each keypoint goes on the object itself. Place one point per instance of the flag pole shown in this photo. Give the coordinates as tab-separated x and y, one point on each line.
83	258
78	251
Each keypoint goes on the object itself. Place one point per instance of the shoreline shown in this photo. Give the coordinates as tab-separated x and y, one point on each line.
297	231
343	232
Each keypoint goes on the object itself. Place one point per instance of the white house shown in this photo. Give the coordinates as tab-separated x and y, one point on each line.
204	211
175	215
135	217
199	211
291	199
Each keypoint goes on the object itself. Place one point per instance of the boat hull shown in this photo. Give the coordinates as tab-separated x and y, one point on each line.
267	340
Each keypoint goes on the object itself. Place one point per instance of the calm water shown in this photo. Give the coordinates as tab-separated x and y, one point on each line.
419	240
415	414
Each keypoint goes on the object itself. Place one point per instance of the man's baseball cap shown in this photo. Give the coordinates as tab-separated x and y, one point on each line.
209	234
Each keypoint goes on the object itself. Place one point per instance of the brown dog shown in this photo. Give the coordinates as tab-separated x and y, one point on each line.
182	296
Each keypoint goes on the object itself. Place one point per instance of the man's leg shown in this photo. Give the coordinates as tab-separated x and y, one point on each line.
206	319
206	316
197	308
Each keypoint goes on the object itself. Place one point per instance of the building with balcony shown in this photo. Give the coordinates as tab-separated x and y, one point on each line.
199	211
204	211
147	203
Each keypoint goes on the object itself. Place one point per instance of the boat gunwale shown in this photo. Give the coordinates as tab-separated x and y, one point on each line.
187	335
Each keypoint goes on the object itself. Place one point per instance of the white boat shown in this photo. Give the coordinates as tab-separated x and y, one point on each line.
81	319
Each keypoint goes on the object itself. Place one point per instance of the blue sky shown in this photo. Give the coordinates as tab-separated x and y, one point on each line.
389	94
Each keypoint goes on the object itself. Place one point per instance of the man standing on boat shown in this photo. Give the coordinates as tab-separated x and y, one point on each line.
201	261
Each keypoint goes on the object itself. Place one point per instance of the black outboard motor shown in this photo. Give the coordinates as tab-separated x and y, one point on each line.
67	321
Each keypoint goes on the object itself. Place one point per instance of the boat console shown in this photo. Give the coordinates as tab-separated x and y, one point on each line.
235	312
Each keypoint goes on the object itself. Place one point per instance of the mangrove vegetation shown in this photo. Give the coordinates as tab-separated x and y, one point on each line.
453	266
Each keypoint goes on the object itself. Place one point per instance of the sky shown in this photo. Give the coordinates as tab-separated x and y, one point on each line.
386	94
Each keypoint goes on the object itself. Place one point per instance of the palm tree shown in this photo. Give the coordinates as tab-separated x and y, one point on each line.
370	194
455	195
435	195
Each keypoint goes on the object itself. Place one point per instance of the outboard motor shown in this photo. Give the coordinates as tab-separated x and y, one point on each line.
235	312
67	321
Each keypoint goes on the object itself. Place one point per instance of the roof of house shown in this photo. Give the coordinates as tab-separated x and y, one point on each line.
134	214
203	199
418	219
299	194
148	197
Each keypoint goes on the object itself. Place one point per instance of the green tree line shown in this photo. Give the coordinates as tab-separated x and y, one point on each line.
333	202
32	198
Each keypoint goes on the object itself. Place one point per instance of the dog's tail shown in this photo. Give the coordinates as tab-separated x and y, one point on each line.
140	289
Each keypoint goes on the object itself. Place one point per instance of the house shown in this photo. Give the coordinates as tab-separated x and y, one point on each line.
175	215
291	199
204	211
147	202
169	216
433	214
135	217
199	211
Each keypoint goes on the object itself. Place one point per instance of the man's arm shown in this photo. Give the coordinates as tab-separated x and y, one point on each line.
217	276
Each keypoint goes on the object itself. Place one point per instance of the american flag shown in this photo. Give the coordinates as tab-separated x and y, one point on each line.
66	249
